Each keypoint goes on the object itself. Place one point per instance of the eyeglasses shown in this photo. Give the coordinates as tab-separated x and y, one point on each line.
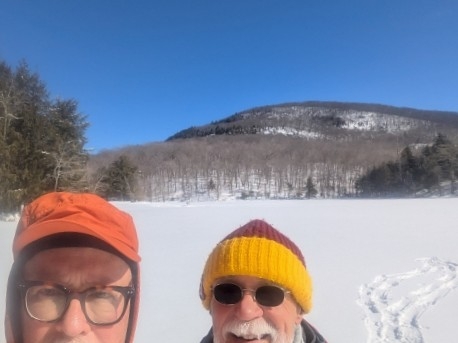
47	302
230	294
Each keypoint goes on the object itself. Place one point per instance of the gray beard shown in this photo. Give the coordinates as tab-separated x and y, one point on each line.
298	334
298	337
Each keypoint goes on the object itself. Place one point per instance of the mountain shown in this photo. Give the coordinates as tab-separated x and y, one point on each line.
325	120
280	151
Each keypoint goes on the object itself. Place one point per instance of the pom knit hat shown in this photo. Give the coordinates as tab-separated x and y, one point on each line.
259	250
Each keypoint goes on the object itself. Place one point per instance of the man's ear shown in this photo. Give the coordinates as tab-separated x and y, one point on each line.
298	318
300	313
210	306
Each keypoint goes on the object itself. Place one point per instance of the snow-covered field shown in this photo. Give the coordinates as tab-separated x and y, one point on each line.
384	270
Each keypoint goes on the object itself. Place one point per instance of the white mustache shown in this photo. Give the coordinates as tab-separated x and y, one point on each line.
255	329
69	340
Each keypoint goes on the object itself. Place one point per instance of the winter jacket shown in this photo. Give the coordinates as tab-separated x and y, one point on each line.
305	333
62	219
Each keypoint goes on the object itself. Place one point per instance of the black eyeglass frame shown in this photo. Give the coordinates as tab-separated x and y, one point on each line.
253	292
128	293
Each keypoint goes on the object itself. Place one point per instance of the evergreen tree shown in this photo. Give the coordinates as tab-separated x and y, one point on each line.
444	160
310	190
410	171
31	136
66	145
120	180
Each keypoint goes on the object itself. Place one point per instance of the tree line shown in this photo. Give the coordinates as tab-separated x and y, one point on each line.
432	168
248	166
281	167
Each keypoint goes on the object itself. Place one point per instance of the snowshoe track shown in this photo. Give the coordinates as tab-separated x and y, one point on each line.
396	319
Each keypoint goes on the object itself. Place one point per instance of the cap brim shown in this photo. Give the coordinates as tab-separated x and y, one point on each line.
42	230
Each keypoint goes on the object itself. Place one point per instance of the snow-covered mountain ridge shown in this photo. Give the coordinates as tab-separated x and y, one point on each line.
315	120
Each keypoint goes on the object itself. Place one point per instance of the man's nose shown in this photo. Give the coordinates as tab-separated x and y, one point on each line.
74	323
248	309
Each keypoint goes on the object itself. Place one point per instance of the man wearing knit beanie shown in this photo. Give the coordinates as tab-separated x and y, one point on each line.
257	288
75	275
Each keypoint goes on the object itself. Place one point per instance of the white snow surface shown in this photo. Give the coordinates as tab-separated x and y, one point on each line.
383	270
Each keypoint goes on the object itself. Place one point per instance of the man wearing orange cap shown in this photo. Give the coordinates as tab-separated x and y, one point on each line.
257	287
75	275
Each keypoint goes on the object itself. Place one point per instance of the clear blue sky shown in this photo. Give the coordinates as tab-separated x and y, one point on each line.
143	70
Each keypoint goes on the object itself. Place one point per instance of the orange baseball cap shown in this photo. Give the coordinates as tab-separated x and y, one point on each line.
83	213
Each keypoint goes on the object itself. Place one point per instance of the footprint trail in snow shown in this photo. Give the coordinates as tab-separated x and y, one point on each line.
392	312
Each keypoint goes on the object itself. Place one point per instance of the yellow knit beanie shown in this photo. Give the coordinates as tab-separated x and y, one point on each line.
257	249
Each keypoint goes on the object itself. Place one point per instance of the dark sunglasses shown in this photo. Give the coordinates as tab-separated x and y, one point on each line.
230	294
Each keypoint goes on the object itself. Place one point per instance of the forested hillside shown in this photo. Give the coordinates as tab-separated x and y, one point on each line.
287	151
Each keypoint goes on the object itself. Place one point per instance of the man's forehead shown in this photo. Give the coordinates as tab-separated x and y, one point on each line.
76	265
72	250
